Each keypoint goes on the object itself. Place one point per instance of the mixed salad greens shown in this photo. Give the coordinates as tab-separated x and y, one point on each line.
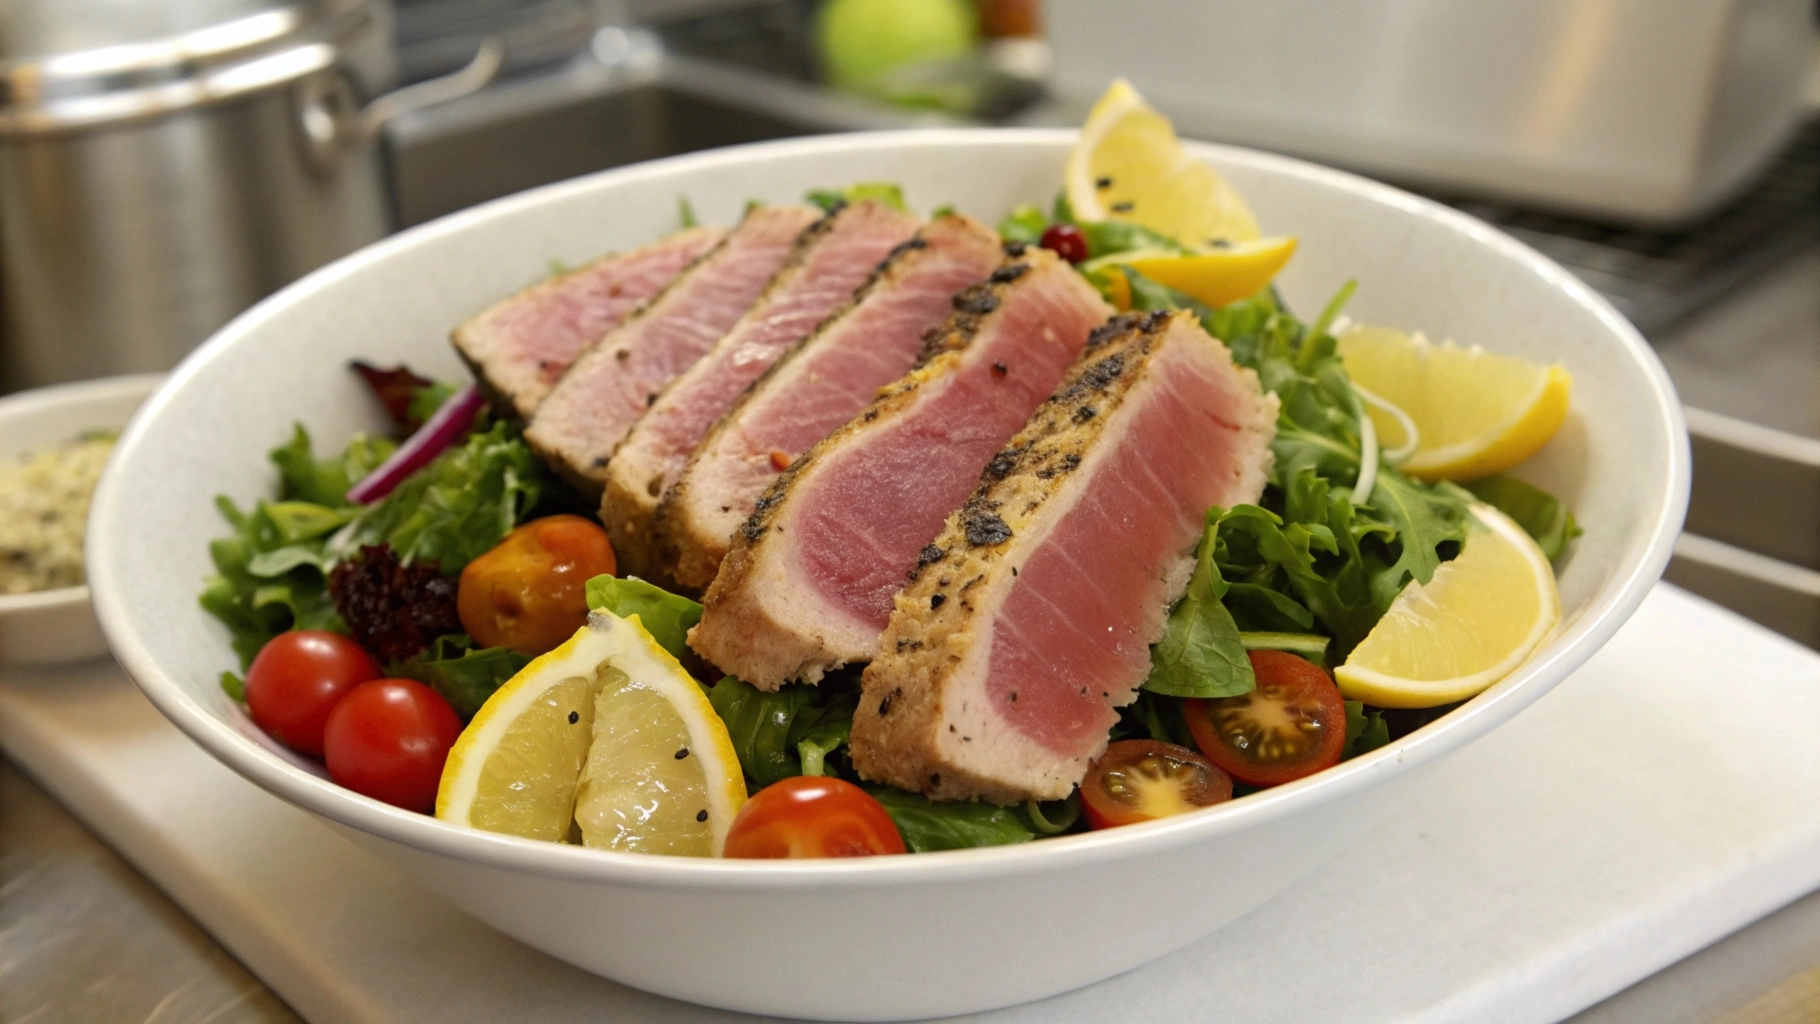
372	561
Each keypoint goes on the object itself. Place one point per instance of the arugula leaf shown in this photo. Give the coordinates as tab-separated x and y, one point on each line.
1366	730
888	193
667	617
685	211
1544	516
465	675
950	825
1201	654
458	507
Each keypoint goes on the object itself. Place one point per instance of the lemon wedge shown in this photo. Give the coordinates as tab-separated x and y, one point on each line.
1477	413
1215	278
1474	622
1128	165
606	739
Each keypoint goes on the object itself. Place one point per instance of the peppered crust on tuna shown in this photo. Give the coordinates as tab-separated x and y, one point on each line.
808	582
1029	620
815	388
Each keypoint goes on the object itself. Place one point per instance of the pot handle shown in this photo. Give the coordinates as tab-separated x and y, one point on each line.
430	92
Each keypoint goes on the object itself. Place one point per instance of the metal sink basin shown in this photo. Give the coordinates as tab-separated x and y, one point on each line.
624	100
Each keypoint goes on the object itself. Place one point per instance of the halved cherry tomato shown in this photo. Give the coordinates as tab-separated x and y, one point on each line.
1141	780
1292	725
388	740
297	678
529	592
812	816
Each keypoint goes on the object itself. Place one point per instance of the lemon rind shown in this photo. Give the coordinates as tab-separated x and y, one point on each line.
1537	420
632	649
1382	690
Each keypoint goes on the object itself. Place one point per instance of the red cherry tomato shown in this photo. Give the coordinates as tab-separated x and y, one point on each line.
812	816
388	740
297	678
1292	725
1142	780
1066	241
529	592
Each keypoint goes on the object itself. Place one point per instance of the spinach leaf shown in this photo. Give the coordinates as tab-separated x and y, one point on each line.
667	617
1201	654
888	193
1538	512
465	675
950	825
774	734
458	507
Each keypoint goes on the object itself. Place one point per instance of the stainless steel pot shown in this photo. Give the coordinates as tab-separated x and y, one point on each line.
164	165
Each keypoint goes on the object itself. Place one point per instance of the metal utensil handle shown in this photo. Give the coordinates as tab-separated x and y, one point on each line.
428	93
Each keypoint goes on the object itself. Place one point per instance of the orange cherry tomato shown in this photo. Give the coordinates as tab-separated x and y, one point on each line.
1142	780
1293	724
812	816
528	593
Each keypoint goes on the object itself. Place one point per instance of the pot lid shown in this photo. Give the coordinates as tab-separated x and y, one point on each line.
80	63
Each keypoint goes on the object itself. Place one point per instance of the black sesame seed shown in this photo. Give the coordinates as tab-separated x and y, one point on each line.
884	705
1102	183
650	400
1000	368
574	716
680	754
935	778
937	601
1014	696
1121	207
701	815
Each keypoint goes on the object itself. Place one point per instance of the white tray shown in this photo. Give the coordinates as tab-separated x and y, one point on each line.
1664	796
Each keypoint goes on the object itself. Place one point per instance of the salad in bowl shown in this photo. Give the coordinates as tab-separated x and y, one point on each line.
1086	546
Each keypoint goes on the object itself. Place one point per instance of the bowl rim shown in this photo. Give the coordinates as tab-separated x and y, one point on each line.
1610	607
24	405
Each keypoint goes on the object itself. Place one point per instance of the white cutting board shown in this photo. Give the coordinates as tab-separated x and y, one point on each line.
1665	795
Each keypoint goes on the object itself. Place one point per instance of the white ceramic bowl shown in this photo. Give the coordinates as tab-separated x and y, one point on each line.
877	938
59	625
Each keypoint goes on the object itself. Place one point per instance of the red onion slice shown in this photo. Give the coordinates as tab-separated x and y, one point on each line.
438	432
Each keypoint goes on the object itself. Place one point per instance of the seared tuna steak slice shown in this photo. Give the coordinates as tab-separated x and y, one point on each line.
829	261
521	346
816	388
1031	619
807	586
588	412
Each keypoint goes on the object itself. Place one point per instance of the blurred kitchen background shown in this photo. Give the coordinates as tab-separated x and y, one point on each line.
165	163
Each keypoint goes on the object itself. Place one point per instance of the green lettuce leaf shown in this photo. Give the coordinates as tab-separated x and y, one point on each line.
889	193
325	482
465	675
667	617
927	825
458	507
